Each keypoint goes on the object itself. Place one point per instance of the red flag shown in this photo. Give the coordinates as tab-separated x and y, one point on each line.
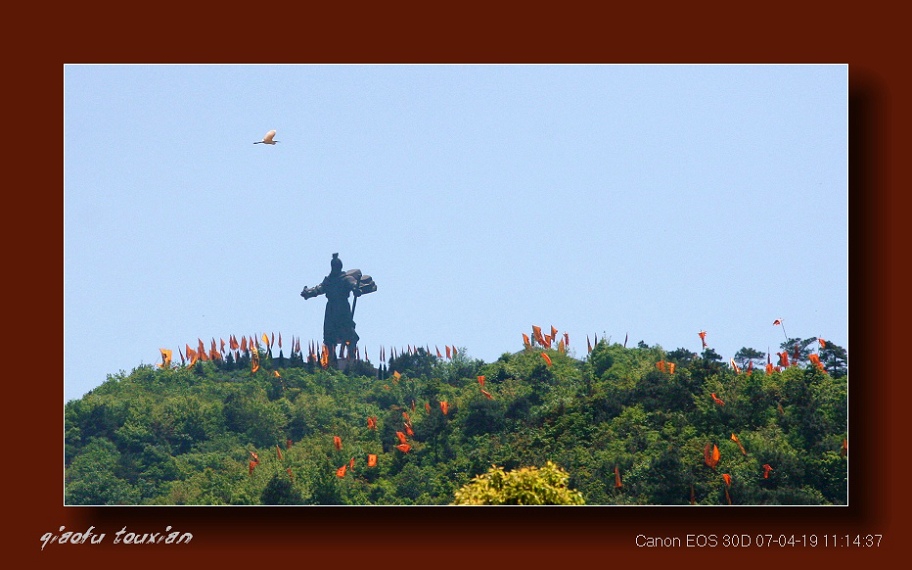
766	470
547	359
438	352
404	447
617	478
340	472
337	442
256	458
716	399
444	408
371	422
448	354
401	437
408	431
250	467
777	322
427	407
371	460
566	339
844	450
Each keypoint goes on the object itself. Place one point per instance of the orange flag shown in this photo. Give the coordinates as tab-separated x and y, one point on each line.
735	366
816	361
250	468
822	342
844	450
727	478
401	437
340	472
255	361
351	464
553	332
371	422
371	460
404	447
711	456
409	431
166	358
256	458
454	351
735	439
766	470
537	335
337	442
703	338
427	407
448	354
481	381
671	367
716	399
444	407
279	453
769	368
547	359
617	478
783	358
661	365
526	341
487	394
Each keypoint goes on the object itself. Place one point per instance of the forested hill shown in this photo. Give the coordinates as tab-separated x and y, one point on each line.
620	425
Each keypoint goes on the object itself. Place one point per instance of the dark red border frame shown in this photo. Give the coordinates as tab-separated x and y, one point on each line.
448	537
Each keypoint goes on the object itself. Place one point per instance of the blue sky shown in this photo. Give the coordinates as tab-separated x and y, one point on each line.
652	201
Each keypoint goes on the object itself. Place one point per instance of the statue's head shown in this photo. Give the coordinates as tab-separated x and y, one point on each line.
336	263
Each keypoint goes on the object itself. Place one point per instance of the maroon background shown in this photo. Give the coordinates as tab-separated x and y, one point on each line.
444	536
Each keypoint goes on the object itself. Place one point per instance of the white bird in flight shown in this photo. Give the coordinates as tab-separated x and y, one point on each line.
268	138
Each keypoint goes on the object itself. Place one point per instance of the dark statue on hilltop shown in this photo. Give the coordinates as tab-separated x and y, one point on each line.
338	323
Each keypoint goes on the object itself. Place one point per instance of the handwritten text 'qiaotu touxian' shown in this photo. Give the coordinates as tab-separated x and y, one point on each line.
63	536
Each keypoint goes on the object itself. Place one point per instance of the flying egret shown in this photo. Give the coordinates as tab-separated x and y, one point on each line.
268	138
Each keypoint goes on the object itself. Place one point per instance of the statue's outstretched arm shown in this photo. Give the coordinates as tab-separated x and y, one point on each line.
310	292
